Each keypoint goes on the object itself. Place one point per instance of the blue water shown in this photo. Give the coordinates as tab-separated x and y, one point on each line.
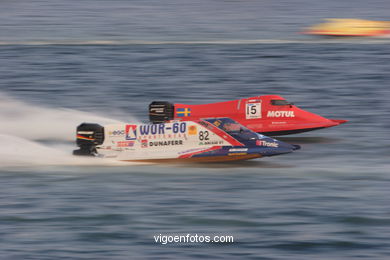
65	62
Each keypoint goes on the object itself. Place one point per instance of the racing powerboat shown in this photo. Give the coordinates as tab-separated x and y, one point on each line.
350	27
207	140
269	114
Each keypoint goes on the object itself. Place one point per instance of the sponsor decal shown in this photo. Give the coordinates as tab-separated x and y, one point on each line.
217	123
161	129
125	144
253	110
131	132
192	130
144	143
164	136
116	133
231	127
238	149
280	114
210	142
166	143
185	111
206	124
267	144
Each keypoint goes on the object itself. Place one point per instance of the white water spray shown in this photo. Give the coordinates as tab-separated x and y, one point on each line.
32	135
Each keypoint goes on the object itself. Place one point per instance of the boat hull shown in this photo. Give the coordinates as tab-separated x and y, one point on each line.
268	115
209	140
350	28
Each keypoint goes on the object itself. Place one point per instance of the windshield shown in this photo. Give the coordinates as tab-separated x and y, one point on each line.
280	102
233	128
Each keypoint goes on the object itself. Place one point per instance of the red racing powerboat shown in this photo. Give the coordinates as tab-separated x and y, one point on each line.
269	114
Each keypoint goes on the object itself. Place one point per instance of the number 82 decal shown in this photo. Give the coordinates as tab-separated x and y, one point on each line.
203	135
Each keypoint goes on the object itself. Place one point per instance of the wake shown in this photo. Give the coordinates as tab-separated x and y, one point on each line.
32	135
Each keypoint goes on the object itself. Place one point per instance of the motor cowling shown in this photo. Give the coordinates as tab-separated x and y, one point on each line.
88	136
161	111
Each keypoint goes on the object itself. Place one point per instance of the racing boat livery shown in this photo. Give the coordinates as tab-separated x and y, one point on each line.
208	140
351	27
269	114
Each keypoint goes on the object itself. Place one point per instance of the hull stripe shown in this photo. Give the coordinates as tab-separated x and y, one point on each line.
85	138
189	155
210	159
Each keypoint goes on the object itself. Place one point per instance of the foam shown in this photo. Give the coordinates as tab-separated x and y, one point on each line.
32	135
42	123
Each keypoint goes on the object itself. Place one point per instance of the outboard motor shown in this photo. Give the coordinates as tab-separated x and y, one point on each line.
88	136
161	111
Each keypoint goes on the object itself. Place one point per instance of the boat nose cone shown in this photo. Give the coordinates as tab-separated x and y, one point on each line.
288	146
339	121
275	147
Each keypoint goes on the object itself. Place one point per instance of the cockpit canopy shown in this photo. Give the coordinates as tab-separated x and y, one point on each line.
280	102
233	128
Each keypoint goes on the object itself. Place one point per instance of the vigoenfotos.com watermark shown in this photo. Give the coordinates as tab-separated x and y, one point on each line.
192	238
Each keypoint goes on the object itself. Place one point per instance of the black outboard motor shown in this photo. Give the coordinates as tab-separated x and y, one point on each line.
161	111
88	136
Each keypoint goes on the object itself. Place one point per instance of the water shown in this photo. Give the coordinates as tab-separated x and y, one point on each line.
62	63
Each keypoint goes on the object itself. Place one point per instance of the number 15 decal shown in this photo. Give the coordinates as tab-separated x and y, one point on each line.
253	110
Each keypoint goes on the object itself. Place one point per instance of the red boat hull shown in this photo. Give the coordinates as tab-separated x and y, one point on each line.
269	115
